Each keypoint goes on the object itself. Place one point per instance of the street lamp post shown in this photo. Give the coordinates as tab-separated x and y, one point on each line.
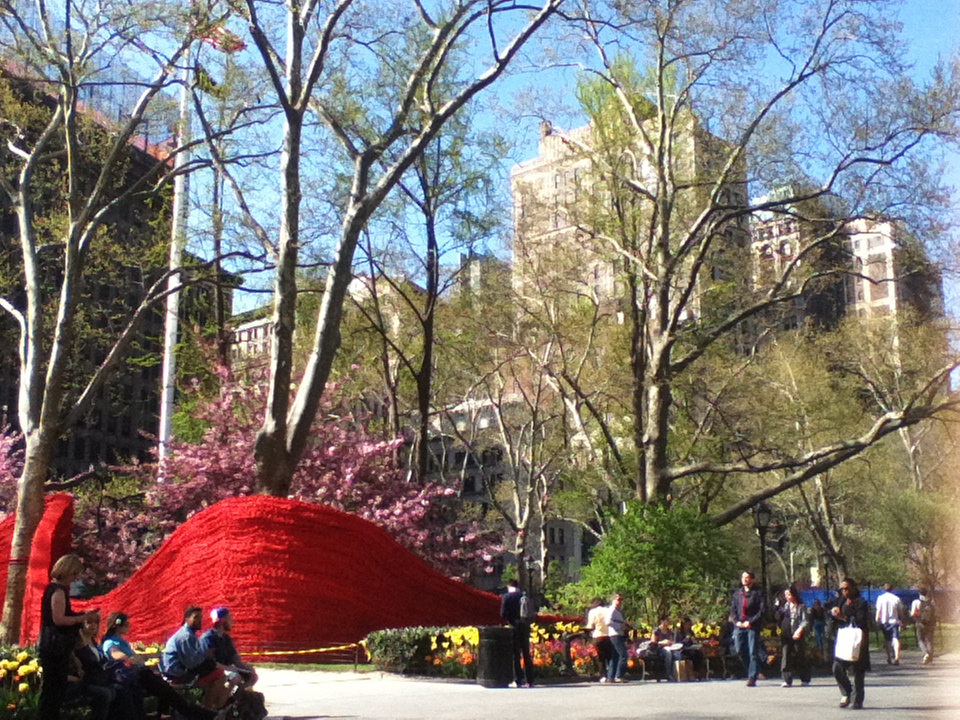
762	515
825	558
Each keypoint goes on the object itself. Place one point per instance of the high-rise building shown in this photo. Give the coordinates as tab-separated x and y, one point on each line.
560	209
891	273
116	279
869	268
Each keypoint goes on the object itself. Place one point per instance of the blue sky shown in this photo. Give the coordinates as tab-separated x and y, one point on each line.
932	27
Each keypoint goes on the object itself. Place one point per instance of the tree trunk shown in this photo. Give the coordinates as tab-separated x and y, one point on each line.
38	453
638	364
425	373
274	466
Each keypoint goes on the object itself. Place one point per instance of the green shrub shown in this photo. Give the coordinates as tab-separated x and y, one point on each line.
403	650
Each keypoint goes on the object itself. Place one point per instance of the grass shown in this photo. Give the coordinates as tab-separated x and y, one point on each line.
946	640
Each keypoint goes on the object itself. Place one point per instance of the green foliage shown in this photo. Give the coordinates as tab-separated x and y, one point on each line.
666	560
403	650
910	538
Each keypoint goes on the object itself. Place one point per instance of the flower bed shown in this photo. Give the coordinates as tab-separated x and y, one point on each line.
19	684
452	652
557	648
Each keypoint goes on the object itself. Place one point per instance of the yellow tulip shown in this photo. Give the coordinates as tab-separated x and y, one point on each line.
24	687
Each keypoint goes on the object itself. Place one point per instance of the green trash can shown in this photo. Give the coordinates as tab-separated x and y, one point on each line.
495	657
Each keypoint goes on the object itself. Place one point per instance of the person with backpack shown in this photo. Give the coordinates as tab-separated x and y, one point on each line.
924	614
519	610
247	704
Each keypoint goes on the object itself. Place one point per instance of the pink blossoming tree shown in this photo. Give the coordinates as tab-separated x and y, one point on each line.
346	467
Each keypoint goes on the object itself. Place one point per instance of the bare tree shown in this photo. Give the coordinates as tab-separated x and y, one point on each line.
379	78
53	65
809	106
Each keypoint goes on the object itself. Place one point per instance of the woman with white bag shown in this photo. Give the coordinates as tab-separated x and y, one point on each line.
851	651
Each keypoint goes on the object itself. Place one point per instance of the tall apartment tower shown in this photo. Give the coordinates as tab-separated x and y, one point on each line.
548	245
558	204
892	273
880	271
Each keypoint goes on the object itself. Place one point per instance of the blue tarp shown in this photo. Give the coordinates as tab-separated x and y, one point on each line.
906	596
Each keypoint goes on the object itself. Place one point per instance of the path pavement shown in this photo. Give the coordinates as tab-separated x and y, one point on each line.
908	692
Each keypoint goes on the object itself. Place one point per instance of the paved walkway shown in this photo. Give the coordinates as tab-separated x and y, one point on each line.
906	692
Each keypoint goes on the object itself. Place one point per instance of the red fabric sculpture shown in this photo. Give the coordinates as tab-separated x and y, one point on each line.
52	540
295	576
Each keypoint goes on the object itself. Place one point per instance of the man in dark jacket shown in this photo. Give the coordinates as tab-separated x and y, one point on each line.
748	609
510	611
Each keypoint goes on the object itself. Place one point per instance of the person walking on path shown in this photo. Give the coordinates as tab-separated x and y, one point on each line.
597	624
852	610
616	631
794	622
889	617
511	611
924	614
748	608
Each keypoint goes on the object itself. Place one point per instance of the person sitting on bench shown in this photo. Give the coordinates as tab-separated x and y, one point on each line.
224	651
185	661
144	680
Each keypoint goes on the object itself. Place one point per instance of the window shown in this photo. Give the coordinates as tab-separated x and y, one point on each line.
877	271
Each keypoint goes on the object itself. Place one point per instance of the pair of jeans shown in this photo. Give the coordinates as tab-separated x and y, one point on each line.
747	644
818	626
54	688
604	652
617	665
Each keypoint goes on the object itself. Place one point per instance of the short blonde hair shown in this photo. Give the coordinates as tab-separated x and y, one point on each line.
67	565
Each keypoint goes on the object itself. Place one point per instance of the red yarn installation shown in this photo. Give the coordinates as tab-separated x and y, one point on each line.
51	540
295	576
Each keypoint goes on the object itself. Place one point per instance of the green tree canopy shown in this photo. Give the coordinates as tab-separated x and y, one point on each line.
663	561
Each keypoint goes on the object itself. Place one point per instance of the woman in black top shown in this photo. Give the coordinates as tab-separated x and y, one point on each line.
852	609
58	634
